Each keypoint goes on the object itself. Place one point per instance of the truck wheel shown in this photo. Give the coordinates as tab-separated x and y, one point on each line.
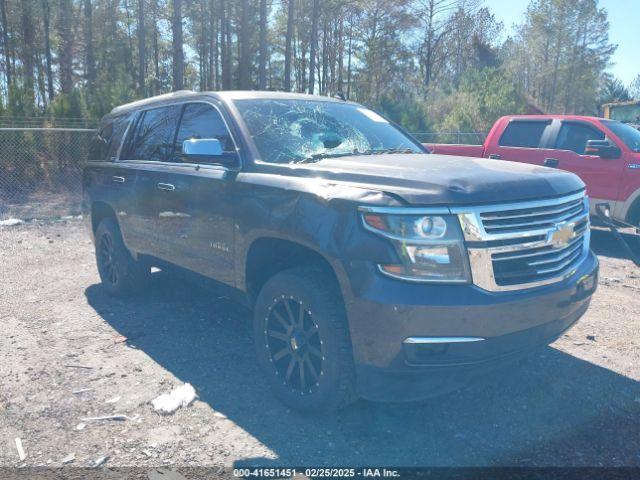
302	340
121	275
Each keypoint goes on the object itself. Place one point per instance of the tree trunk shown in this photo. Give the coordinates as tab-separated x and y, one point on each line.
314	44
325	57
178	54
65	57
5	42
47	48
243	62
225	47
214	68
156	51
287	48
142	49
262	66
27	48
129	52
349	58
42	90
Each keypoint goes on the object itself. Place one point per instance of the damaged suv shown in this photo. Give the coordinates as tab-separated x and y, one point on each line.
374	268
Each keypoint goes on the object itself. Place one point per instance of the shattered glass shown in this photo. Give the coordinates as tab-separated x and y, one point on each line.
300	131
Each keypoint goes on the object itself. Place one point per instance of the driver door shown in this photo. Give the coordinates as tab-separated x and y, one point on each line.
601	175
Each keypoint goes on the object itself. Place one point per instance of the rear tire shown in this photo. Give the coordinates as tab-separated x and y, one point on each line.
302	340
120	273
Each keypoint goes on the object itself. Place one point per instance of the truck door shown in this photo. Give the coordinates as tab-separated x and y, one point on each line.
601	175
521	141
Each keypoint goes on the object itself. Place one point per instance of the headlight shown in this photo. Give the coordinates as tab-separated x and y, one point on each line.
430	247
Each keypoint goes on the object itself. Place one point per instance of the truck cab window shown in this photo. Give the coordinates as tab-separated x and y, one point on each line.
201	120
574	137
153	137
523	134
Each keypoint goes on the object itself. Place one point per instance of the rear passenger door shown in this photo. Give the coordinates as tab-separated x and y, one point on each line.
602	176
148	146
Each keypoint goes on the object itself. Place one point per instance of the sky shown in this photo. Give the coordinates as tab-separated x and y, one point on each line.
624	19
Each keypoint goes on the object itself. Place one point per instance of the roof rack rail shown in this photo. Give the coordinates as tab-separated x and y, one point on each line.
145	101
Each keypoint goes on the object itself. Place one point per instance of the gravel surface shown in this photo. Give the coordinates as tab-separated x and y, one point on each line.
69	352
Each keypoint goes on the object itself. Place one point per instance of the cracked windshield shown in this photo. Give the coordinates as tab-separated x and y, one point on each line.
299	131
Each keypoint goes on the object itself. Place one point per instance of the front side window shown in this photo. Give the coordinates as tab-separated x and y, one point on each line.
292	131
201	120
152	139
629	135
574	137
523	134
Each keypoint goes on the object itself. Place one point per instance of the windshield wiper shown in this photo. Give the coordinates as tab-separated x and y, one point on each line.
320	156
374	151
379	151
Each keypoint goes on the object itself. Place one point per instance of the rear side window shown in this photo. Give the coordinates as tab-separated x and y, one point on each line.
104	146
152	139
574	137
523	134
201	120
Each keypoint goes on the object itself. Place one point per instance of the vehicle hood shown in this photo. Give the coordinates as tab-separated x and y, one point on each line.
428	179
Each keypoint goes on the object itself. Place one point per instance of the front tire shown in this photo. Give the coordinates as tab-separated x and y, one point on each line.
120	273
302	340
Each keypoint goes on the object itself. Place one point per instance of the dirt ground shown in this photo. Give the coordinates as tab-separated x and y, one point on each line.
67	352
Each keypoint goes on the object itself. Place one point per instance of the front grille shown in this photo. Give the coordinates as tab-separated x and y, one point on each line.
526	244
537	263
522	220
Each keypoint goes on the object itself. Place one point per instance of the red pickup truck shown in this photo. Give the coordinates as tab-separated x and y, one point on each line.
605	154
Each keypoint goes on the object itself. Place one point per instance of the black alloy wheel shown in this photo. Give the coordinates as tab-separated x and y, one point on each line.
295	347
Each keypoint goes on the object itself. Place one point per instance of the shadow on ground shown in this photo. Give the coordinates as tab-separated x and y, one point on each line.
551	409
604	244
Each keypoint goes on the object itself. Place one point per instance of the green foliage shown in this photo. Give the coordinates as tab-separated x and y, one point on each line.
612	90
69	105
482	97
406	110
425	64
110	93
634	88
20	102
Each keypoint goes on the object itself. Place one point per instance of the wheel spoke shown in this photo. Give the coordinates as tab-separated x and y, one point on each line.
301	317
292	318
303	385
282	353
292	363
312	369
283	322
280	336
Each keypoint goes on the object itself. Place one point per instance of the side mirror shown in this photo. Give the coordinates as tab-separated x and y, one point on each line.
201	149
602	149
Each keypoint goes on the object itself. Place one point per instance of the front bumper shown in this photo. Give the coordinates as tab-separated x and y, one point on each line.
384	312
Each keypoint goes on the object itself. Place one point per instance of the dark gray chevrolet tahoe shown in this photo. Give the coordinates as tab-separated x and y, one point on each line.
373	267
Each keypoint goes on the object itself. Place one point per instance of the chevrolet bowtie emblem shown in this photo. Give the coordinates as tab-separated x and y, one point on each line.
561	235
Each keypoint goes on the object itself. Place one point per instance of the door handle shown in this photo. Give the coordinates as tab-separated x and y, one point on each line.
494	156
117	179
166	186
551	162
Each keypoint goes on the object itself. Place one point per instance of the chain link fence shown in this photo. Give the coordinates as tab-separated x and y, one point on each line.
40	166
40	171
